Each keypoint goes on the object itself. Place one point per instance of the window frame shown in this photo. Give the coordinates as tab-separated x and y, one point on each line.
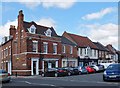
71	49
35	42
55	44
63	49
45	49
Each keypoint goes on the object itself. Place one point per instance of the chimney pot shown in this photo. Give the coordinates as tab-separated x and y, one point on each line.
12	26
20	12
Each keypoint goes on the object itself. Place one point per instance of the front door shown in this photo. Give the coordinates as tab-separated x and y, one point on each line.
35	67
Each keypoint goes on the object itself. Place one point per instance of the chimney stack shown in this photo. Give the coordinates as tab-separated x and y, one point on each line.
12	30
20	18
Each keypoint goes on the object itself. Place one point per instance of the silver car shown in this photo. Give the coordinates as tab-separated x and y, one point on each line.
4	76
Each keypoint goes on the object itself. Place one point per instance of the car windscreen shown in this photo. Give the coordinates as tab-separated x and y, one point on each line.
113	67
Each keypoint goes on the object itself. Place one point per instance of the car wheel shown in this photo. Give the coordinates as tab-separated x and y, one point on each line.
80	73
69	74
104	79
43	75
56	74
8	81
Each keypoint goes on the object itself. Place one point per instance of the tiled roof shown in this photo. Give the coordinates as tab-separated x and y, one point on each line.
100	46
40	29
66	41
82	41
111	49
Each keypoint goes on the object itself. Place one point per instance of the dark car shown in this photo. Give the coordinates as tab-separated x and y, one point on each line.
4	76
82	70
72	70
55	72
112	72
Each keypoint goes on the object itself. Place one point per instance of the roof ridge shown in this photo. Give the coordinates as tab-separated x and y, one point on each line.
77	35
36	24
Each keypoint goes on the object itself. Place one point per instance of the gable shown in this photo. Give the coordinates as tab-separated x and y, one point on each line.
48	33
32	29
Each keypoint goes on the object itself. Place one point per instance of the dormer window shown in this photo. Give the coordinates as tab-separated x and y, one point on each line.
32	29
48	33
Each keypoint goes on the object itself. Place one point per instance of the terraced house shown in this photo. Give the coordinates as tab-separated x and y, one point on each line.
31	48
87	50
34	49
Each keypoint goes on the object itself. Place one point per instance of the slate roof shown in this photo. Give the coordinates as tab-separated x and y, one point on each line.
66	41
111	49
39	29
100	46
82	41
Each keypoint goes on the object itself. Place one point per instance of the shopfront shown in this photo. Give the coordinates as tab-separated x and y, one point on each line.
69	62
49	63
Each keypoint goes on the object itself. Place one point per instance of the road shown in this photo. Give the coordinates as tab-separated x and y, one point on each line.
93	80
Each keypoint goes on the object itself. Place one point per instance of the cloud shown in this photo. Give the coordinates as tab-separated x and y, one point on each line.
98	15
49	22
106	33
48	3
4	29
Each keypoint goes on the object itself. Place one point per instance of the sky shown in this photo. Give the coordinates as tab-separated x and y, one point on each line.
96	20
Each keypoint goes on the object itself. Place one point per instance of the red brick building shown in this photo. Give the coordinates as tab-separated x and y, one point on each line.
34	48
87	51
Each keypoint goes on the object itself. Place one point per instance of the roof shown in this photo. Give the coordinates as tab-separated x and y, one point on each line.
39	29
66	41
82	41
111	49
100	46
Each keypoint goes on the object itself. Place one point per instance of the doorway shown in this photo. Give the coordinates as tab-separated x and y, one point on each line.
35	67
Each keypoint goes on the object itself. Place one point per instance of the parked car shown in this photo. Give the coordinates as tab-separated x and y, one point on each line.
55	72
82	70
72	70
106	63
4	76
112	72
98	67
101	67
90	69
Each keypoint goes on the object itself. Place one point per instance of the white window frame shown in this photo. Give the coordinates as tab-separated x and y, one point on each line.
45	43
55	44
95	53
71	49
63	48
9	50
47	33
81	52
2	54
16	35
22	33
34	41
30	29
6	51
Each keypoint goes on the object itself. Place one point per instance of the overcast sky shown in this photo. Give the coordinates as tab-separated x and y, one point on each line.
96	20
